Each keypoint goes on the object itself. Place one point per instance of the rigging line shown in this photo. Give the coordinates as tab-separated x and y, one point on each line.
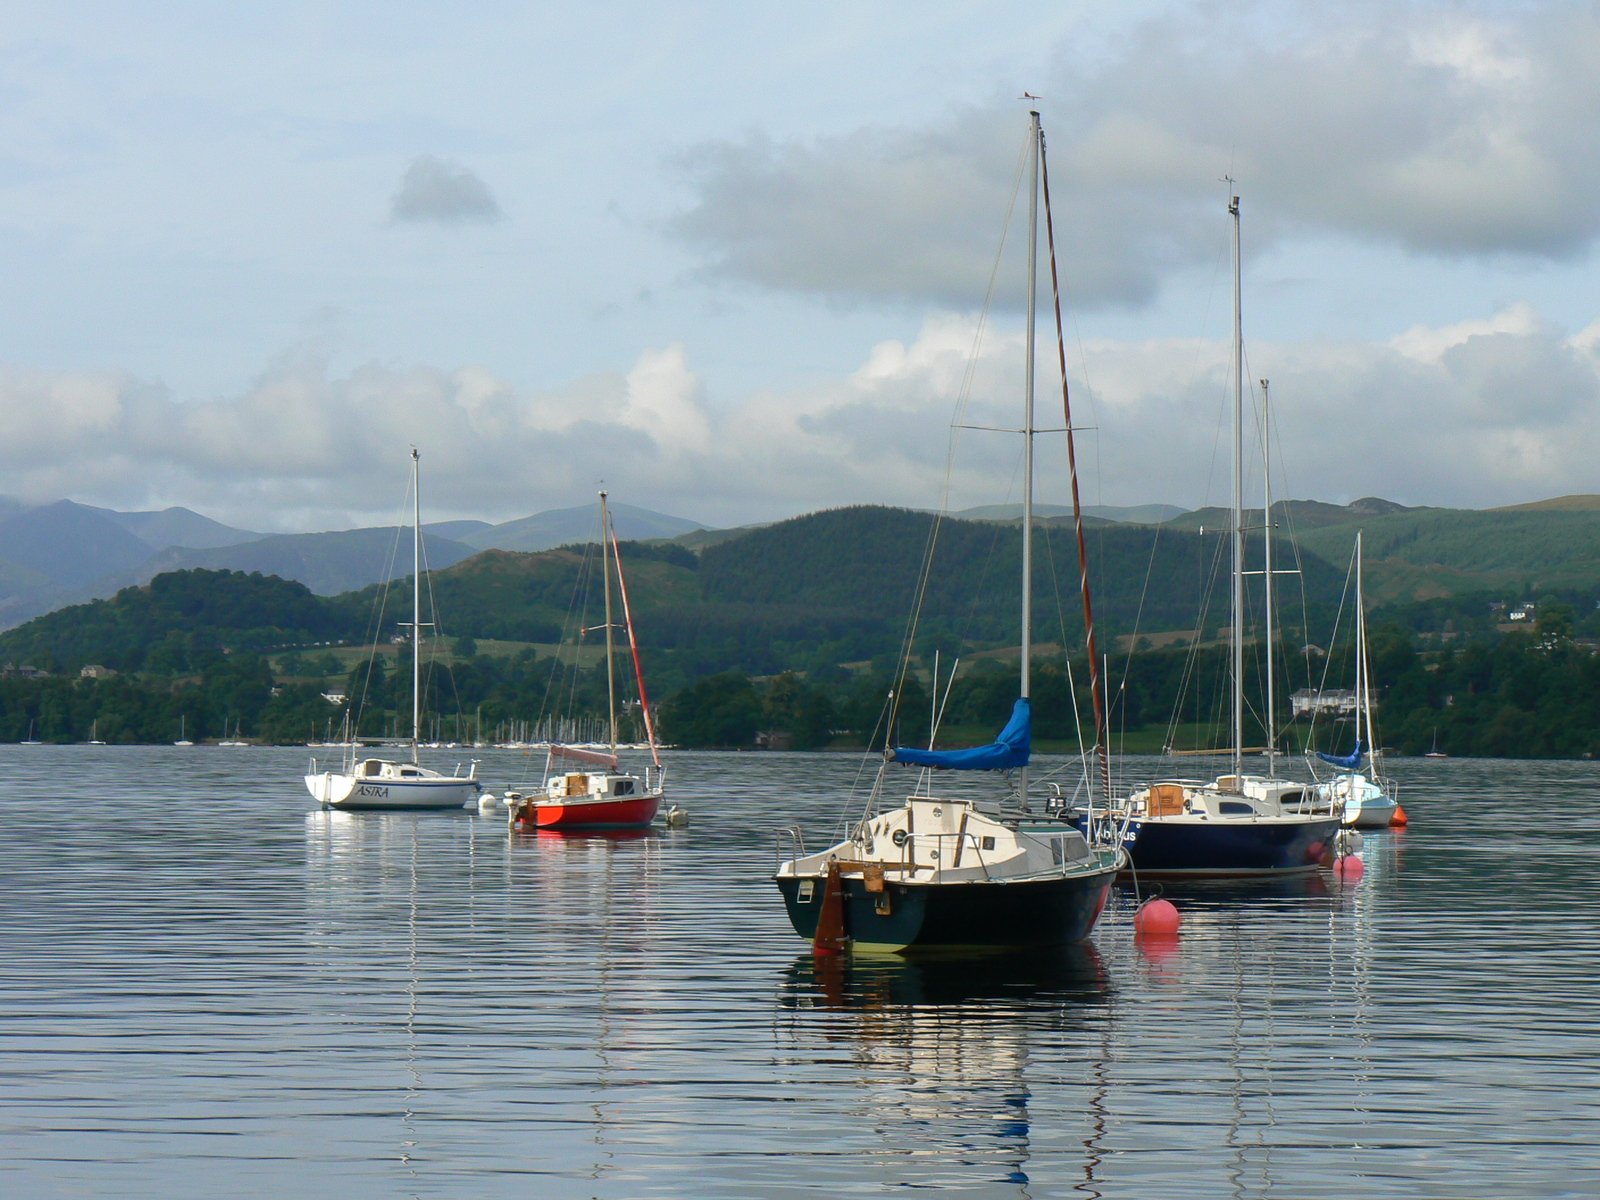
963	398
380	604
1338	623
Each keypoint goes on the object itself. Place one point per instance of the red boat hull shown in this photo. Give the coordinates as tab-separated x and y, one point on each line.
628	812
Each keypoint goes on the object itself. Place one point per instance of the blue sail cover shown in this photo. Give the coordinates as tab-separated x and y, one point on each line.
1010	749
1350	761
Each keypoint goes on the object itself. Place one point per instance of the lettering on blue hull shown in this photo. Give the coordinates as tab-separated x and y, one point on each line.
368	791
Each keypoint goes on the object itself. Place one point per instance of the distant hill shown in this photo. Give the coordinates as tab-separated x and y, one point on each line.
64	553
1587	503
178	527
69	544
327	563
568	526
1141	514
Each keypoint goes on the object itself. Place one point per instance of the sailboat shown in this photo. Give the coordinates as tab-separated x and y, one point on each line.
1236	825
383	783
183	737
94	733
30	740
938	870
577	796
1369	800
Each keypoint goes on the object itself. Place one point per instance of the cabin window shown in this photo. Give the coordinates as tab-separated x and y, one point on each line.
988	842
808	889
1234	806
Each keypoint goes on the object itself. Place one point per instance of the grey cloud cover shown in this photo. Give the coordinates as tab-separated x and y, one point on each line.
1442	131
445	193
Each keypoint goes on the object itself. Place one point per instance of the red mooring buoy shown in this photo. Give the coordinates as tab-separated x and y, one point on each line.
1399	817
1156	916
1350	868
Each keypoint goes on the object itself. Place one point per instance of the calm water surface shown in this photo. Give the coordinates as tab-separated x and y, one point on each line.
209	987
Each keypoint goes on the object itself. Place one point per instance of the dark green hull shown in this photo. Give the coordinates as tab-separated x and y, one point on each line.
942	915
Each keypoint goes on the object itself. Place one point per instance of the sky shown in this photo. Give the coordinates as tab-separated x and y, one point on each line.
741	261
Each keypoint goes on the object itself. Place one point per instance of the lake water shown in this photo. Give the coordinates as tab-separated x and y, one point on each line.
207	987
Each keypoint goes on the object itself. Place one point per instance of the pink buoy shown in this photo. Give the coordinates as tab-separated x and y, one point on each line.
1156	916
1350	868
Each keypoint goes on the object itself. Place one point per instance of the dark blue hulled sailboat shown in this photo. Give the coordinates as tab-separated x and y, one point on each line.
941	870
1235	825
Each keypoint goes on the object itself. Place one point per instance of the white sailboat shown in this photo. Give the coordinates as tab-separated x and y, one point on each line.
1370	800
183	737
944	870
383	783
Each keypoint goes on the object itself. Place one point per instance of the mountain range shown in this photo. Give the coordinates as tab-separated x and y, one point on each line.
54	555
66	553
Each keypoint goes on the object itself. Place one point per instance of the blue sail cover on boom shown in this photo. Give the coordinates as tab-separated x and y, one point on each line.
1350	761
1010	749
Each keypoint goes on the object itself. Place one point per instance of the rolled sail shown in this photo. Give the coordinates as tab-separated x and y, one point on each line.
1349	761
1008	750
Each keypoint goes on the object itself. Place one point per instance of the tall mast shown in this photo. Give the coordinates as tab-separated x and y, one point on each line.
1363	676
605	569
416	602
1266	512
1101	735
1024	682
1238	504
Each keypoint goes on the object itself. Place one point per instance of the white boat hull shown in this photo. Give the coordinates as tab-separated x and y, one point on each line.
377	784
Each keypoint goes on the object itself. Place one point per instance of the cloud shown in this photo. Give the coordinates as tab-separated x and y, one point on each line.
1491	411
444	193
1453	131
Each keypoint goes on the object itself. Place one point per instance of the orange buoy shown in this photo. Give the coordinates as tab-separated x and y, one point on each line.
1156	916
1399	817
1350	868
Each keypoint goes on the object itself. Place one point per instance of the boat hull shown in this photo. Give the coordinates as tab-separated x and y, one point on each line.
919	916
630	812
1198	846
334	790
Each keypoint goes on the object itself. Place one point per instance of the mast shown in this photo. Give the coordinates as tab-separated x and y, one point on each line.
1101	735
1238	504
416	602
1024	682
633	648
605	570
1363	677
1266	475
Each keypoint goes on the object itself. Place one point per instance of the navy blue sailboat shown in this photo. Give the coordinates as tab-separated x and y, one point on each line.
941	870
1235	825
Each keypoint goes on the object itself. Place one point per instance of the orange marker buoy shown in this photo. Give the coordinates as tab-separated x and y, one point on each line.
1156	916
1350	868
1399	817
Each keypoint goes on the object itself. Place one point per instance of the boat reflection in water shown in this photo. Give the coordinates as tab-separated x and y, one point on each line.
937	1050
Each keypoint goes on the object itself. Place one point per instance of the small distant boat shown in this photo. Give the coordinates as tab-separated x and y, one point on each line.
382	783
30	740
183	738
1435	752
1368	799
94	739
608	798
235	740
